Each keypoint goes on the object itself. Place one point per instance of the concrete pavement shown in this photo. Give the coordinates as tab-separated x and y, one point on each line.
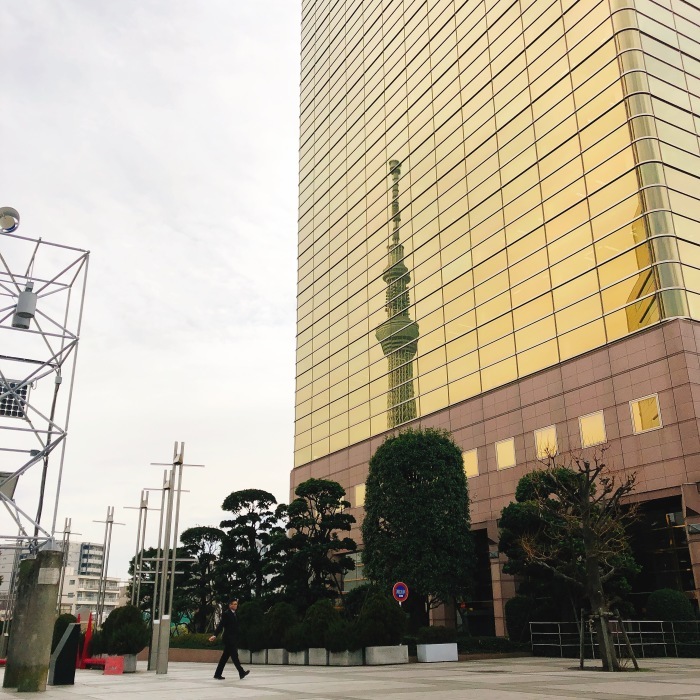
494	679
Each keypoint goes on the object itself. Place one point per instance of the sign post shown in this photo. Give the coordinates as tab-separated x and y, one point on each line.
400	592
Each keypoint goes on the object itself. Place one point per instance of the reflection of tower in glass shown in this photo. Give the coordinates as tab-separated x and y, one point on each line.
398	335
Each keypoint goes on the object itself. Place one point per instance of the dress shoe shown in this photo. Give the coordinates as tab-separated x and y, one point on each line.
219	678
244	674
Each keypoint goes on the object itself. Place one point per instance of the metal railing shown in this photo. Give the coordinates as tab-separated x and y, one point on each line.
648	638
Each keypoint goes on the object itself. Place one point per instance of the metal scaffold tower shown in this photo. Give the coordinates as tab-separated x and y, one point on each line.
42	292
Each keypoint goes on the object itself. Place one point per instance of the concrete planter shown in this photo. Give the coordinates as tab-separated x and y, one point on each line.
298	658
318	656
258	657
129	663
277	657
243	656
429	653
345	658
381	656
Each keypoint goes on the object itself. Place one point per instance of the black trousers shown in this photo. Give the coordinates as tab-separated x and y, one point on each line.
230	652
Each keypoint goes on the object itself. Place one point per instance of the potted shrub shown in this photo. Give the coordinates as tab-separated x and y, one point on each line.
125	633
344	648
252	630
295	644
278	619
436	644
317	620
380	627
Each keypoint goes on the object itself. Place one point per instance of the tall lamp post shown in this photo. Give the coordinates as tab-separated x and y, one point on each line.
109	522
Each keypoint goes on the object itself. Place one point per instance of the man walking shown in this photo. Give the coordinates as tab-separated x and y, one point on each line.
229	625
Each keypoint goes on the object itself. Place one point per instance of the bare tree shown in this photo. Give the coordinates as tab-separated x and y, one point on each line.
581	534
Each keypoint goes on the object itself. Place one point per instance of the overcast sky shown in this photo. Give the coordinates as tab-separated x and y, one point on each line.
162	136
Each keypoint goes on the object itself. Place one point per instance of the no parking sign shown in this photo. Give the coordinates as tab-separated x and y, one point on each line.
400	591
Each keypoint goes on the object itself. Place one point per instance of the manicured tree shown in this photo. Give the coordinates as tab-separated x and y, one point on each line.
315	557
417	527
197	585
569	524
248	566
669	604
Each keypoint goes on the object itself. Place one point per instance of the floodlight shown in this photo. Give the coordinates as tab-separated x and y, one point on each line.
26	307
9	219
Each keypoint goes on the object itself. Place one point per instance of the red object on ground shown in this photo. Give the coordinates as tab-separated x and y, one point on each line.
114	665
83	655
3	662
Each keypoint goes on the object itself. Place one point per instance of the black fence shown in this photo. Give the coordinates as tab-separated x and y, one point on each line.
648	639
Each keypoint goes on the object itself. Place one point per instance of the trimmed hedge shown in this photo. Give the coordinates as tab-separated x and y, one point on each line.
669	604
436	635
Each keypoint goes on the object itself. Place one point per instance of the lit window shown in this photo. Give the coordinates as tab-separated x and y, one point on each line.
505	453
645	414
471	463
592	429
359	495
546	442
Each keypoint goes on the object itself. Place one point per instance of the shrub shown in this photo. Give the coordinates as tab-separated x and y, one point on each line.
436	635
295	638
317	620
59	627
251	620
97	645
518	617
341	635
278	619
669	604
381	622
124	631
354	599
194	641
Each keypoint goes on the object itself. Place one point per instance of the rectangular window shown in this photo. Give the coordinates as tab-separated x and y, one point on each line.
592	429
546	442
645	414
359	495
505	453
471	463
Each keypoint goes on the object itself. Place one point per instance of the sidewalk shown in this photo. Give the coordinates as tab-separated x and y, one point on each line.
502	679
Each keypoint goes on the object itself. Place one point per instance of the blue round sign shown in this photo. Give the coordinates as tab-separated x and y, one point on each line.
400	591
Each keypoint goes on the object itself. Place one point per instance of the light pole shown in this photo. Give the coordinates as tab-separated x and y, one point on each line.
173	487
109	521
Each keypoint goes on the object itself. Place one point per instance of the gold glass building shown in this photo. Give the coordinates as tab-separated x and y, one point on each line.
546	205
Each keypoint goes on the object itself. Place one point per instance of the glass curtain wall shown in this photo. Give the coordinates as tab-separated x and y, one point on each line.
546	200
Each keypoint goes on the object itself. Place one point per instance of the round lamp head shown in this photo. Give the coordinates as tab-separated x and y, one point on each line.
9	219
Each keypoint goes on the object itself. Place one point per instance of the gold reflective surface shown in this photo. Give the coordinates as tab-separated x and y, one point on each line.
549	197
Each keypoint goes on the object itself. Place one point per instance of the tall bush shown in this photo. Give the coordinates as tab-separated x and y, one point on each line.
124	631
318	618
251	620
278	620
59	627
669	604
341	635
381	622
518	612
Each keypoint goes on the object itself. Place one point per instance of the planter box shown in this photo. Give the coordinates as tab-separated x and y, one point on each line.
380	656
345	658
277	657
298	658
429	653
243	656
258	657
129	663
318	657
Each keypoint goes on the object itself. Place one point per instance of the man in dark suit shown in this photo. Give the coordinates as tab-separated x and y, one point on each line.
229	625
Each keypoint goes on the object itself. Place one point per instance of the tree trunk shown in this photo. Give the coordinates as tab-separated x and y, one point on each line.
599	607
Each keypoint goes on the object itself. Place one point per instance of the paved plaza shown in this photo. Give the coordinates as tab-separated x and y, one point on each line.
501	679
